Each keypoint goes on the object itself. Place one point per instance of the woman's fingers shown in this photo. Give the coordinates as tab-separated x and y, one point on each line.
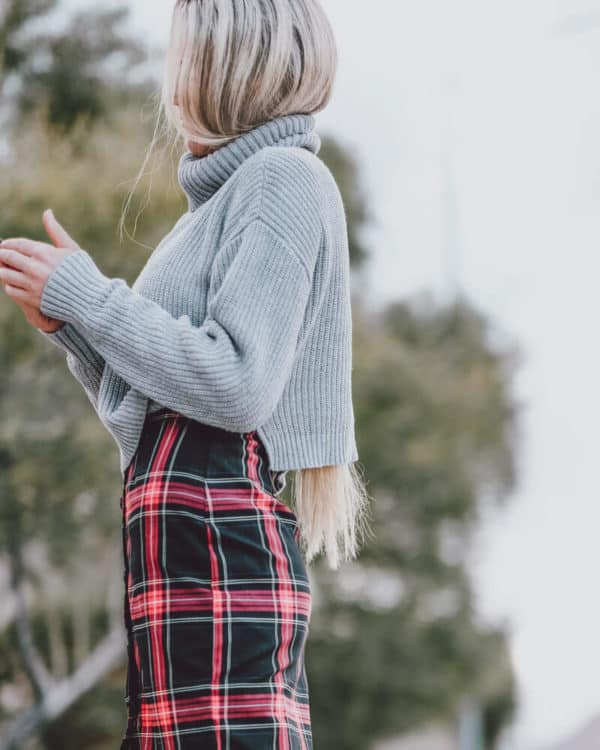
24	246
14	258
18	294
9	276
56	231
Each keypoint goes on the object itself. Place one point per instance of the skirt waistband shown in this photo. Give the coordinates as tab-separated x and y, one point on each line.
164	411
213	448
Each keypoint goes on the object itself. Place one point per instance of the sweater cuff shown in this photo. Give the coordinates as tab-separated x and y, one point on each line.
68	338
75	286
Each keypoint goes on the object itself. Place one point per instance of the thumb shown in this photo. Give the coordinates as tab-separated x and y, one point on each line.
56	232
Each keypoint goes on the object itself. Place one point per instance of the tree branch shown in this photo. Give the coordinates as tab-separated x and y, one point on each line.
64	693
34	668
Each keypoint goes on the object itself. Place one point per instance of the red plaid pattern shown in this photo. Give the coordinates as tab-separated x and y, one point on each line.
217	594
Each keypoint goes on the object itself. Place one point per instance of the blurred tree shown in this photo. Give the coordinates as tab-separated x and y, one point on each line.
356	206
59	482
87	68
60	542
395	637
15	15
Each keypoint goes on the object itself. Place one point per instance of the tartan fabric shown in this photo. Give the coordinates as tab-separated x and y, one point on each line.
217	594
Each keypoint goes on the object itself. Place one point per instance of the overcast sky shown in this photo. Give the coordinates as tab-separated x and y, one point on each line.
496	91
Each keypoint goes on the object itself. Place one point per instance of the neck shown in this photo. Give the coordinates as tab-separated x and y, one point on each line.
201	176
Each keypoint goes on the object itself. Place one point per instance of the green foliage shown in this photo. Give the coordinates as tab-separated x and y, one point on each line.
77	70
95	722
356	206
59	479
395	637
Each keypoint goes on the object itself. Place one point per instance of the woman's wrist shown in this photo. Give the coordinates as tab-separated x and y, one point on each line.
54	329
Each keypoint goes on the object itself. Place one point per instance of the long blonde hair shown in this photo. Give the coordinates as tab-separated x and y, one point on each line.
232	64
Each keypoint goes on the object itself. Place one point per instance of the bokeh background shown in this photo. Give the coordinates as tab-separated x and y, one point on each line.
464	138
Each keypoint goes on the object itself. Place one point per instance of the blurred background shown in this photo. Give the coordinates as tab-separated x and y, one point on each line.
464	139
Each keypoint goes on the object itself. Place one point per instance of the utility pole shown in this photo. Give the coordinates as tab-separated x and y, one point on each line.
450	223
470	726
450	215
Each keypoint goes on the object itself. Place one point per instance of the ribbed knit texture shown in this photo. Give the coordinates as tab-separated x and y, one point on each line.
240	318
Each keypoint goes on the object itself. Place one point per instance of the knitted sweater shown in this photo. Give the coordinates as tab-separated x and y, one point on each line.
240	317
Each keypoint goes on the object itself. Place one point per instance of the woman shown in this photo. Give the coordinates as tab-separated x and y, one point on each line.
226	364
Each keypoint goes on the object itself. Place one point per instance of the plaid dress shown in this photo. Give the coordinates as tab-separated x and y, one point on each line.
217	594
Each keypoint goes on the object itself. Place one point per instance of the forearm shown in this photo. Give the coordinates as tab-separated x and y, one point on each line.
69	340
85	364
229	371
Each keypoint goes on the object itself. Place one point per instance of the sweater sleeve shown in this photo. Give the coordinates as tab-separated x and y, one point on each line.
231	370
85	364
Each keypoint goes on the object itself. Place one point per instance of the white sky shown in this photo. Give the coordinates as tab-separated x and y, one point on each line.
519	105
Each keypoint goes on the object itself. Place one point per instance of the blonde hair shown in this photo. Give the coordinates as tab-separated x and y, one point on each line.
331	503
233	64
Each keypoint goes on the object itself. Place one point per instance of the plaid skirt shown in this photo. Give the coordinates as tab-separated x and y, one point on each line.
217	594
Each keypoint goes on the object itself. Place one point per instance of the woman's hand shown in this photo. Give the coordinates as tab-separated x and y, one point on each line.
25	266
38	320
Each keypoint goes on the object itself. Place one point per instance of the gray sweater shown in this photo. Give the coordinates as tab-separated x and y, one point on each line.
240	317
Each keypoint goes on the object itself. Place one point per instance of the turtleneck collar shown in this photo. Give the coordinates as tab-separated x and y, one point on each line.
201	176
